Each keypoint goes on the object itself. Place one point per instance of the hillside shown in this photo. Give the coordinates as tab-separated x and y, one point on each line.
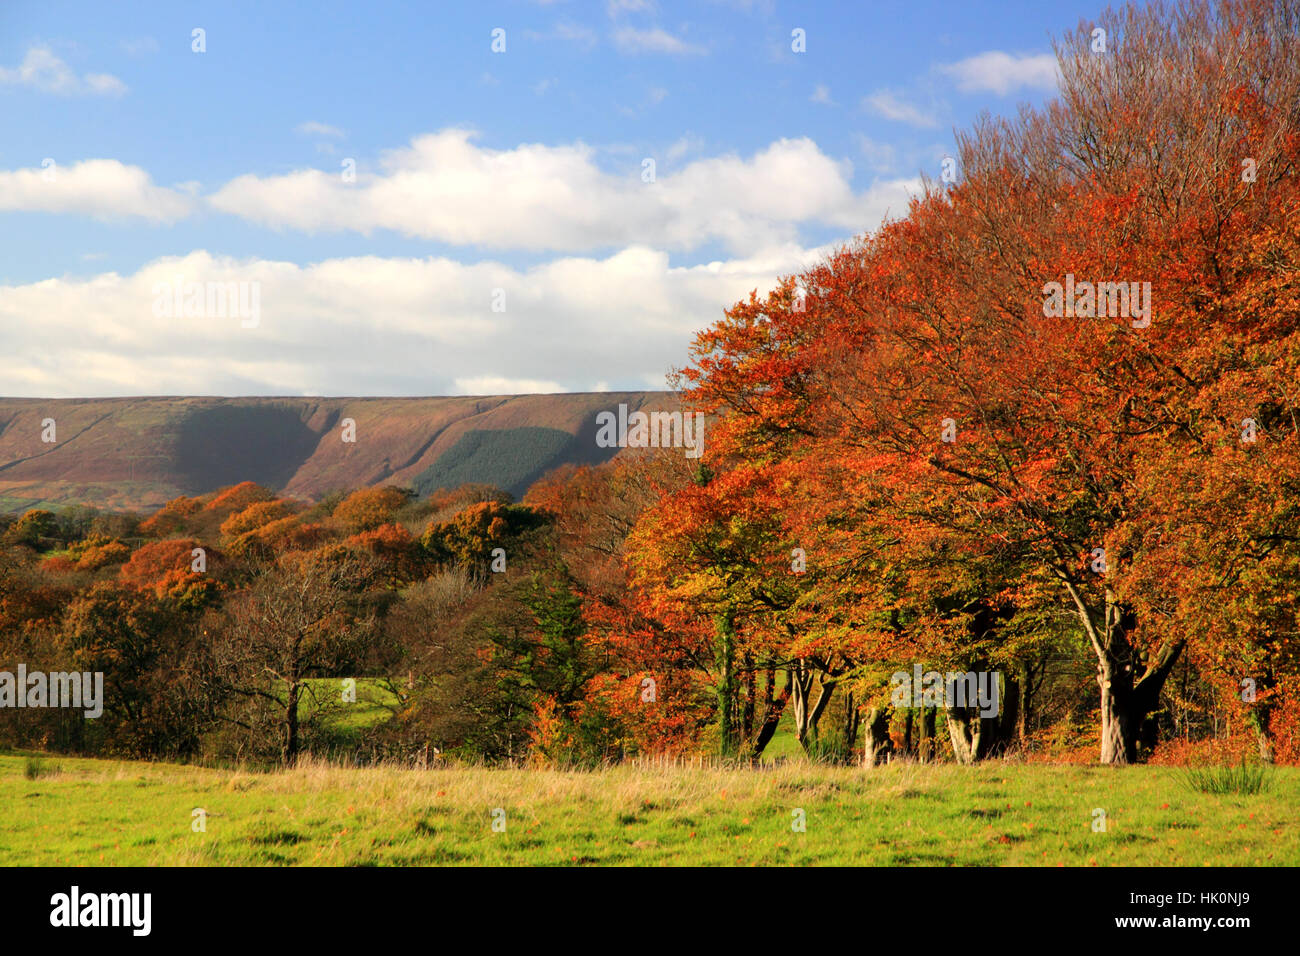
137	453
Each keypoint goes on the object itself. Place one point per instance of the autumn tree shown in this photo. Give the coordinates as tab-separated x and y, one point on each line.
157	700
478	530
1018	433
301	618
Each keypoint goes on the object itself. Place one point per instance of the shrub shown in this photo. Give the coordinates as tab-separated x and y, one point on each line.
36	529
102	555
238	497
171	519
367	509
255	516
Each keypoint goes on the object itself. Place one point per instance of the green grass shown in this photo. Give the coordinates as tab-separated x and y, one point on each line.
1243	779
96	812
374	705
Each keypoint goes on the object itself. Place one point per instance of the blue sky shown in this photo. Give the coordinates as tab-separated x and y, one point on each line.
477	172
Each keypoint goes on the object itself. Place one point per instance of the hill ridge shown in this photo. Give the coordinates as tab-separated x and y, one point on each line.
136	453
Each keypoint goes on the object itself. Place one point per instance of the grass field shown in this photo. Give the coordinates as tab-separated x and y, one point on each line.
98	812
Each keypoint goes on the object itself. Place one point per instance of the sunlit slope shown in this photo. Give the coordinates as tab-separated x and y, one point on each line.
136	453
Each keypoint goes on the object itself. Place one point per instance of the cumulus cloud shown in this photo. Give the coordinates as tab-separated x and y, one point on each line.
1002	73
371	325
445	187
42	70
101	188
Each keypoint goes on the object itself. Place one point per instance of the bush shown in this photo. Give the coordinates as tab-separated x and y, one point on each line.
367	509
37	529
101	555
238	497
255	516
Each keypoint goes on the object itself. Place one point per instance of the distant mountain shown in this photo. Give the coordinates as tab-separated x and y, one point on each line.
137	453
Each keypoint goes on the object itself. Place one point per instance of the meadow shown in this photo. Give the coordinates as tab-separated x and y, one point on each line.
60	811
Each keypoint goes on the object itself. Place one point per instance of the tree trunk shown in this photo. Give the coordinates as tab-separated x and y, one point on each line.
877	747
851	721
909	717
1265	741
972	736
1126	700
925	748
1025	679
1259	717
799	681
770	721
290	753
1118	730
824	694
1126	705
751	693
725	634
1007	722
769	686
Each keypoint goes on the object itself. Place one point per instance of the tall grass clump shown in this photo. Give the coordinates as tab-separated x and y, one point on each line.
1243	779
34	768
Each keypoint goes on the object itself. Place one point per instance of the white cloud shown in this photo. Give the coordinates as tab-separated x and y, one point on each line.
656	40
892	107
616	8
880	156
496	385
104	84
444	187
685	144
313	128
575	33
42	70
100	188
822	94
1001	73
375	326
